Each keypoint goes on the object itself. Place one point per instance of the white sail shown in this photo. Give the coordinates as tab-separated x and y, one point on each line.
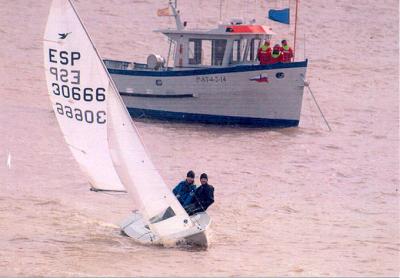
77	87
68	48
162	211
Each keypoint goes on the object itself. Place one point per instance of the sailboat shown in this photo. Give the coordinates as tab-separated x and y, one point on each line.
102	137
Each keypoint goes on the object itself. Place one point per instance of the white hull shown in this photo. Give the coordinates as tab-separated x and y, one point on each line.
136	228
245	94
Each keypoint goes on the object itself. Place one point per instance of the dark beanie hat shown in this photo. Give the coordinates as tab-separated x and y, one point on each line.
190	174
204	176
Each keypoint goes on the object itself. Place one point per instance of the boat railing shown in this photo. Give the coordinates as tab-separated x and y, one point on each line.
123	65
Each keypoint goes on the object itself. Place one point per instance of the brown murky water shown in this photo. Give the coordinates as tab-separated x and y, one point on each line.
299	201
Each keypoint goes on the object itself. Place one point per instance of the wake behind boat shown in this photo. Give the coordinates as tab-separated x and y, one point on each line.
102	137
215	78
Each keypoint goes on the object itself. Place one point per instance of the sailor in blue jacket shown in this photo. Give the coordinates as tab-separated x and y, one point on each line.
184	191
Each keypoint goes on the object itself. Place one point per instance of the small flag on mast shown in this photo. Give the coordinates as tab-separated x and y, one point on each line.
163	12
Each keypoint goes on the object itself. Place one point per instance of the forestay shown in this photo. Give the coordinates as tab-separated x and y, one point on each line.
94	119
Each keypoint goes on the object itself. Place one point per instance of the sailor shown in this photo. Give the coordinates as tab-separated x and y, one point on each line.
276	55
203	196
263	52
184	191
287	52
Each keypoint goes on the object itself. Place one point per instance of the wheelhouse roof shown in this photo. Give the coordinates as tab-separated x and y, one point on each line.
223	30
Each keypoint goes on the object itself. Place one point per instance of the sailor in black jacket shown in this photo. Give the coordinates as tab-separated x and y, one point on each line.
203	196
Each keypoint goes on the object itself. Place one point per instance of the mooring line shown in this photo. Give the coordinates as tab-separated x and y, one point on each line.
306	84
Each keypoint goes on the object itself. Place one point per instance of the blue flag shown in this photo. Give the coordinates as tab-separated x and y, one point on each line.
282	16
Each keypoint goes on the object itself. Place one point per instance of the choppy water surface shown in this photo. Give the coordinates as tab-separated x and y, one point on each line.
298	201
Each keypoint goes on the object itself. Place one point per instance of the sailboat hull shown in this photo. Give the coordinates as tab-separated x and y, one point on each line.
199	236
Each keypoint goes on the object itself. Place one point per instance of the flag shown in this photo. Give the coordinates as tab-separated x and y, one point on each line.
282	16
163	12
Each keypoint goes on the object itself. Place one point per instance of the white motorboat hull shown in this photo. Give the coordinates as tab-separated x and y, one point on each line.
259	95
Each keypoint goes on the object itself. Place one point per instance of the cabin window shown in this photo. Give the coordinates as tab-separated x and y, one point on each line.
238	48
194	52
218	51
206	52
254	46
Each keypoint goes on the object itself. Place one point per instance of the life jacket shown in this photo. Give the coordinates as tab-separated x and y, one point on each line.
275	55
287	54
263	53
265	48
275	58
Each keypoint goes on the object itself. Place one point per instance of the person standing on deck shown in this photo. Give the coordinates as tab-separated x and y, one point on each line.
184	191
287	52
275	56
263	53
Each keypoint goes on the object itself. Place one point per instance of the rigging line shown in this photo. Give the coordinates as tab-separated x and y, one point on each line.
316	103
199	203
220	10
113	193
108	191
169	52
310	107
76	148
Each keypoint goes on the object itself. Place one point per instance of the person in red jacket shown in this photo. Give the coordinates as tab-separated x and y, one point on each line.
275	56
263	52
287	52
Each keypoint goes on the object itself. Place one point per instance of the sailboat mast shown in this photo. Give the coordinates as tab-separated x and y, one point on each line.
295	30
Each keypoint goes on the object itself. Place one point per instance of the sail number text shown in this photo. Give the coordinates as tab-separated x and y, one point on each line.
63	57
66	84
87	94
75	113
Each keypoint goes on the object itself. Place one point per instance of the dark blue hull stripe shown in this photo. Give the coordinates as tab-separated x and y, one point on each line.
155	95
240	68
210	119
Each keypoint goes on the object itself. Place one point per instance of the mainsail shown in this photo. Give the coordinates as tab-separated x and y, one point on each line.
77	87
97	126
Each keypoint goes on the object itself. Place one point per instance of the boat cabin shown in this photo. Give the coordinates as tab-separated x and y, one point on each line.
230	44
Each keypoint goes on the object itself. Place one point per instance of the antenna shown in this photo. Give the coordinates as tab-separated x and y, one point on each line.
295	31
220	10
